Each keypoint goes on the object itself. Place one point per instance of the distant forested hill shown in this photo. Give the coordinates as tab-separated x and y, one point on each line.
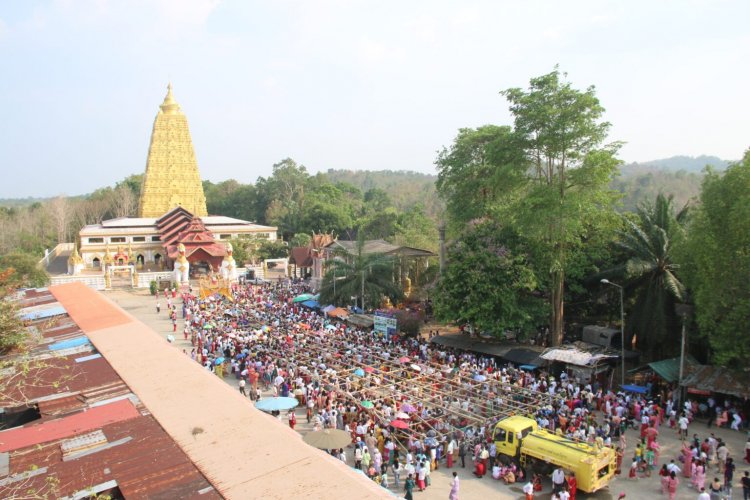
404	187
20	202
686	163
679	176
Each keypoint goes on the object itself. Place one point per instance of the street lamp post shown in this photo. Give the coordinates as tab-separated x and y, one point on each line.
622	328
683	311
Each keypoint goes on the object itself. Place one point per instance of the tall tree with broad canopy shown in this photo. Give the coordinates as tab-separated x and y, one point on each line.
569	169
547	178
717	262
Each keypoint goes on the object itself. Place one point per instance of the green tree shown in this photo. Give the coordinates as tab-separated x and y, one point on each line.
377	199
132	182
25	272
568	170
321	216
481	167
300	240
367	276
281	197
379	225
275	249
487	286
649	274
717	262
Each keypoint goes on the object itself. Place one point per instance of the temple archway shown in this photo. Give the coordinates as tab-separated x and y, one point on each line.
200	268
140	260
157	260
96	263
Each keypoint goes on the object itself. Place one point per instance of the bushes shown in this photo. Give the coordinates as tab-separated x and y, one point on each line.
12	332
409	323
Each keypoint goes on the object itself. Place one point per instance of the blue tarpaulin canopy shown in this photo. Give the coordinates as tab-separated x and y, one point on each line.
528	367
635	388
311	304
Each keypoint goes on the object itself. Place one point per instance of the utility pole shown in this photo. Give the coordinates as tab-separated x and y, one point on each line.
622	328
441	232
683	311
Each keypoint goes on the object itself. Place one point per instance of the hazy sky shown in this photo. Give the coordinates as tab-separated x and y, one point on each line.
348	84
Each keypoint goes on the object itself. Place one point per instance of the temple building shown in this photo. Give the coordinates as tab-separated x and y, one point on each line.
172	210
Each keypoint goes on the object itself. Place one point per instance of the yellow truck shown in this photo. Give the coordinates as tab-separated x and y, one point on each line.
520	438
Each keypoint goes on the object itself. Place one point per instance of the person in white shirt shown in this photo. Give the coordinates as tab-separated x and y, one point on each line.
683	424
673	467
558	479
528	490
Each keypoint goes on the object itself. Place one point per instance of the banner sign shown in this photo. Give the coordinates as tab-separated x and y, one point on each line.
385	324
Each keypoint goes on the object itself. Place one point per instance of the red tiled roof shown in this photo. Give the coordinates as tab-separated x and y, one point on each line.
70	426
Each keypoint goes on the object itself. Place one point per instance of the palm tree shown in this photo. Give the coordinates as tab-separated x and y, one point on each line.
366	276
649	275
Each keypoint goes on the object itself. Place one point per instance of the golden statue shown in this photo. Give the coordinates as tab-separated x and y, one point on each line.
108	258
407	286
131	257
75	262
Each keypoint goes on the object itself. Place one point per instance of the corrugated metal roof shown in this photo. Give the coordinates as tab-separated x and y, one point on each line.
378	246
719	379
519	356
44	312
76	396
575	357
669	369
22	437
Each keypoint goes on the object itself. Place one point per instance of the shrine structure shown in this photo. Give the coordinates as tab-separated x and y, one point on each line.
172	212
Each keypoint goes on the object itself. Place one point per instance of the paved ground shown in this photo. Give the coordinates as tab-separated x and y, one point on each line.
143	306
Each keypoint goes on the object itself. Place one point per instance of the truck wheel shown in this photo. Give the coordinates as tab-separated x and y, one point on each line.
540	467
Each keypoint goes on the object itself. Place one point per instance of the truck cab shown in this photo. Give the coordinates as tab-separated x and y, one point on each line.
509	433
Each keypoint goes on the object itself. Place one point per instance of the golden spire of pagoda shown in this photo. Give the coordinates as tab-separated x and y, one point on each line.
172	178
169	106
75	257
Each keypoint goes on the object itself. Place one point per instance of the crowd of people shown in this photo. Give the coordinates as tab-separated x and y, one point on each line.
412	406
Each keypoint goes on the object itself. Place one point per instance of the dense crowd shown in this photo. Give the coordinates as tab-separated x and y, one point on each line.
276	347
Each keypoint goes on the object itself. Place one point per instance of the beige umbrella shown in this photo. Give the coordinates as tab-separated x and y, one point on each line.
328	439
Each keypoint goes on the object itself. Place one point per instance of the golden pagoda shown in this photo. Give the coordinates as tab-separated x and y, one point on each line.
172	178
